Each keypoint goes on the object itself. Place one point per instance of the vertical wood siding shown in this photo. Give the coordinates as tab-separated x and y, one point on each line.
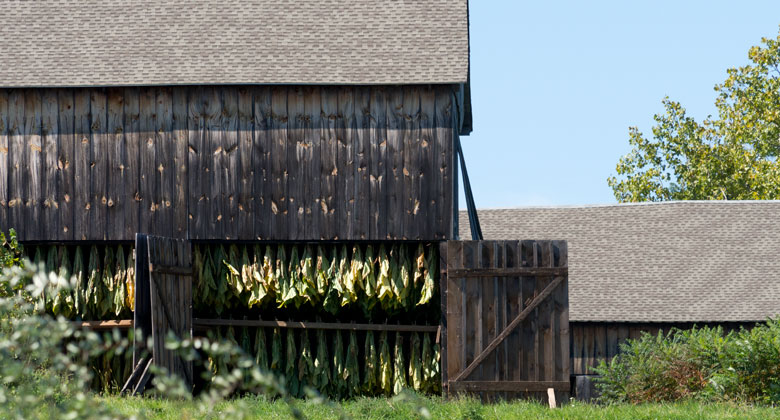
298	163
593	342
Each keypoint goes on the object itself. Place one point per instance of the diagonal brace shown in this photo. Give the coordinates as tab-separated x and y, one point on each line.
509	328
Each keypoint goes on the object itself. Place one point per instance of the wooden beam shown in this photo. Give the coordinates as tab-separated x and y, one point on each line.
512	325
509	386
169	269
206	323
122	324
508	272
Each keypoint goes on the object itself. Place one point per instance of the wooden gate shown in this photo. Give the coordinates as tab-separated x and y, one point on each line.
507	319
164	276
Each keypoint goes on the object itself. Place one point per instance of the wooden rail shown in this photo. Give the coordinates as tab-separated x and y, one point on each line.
123	324
206	323
508	272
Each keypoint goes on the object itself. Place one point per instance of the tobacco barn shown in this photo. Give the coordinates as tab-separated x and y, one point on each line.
655	266
257	170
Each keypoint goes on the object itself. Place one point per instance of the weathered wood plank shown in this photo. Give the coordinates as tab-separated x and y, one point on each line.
395	164
165	170
443	286
577	350
455	308
4	164
245	221
179	137
513	386
214	151
362	142
133	143
487	318
228	171
117	163
562	333
81	182
297	162
529	326
444	164
279	164
50	181
599	346
198	164
329	169
33	170
98	166
378	177
147	193
312	161
513	351
65	163
345	202
612	341
427	215
411	161
261	150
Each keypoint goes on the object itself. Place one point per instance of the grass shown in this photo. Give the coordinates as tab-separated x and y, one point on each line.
389	409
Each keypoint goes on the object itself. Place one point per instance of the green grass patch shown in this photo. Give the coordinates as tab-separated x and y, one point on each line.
463	409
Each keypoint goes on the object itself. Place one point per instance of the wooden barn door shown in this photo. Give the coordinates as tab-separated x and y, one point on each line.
164	275
507	319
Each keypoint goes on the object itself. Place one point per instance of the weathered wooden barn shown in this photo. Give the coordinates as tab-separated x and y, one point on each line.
654	266
199	121
270	128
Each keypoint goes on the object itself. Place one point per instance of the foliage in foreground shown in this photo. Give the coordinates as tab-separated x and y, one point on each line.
44	363
702	364
732	156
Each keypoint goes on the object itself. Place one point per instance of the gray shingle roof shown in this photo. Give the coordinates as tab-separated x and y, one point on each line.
659	262
49	43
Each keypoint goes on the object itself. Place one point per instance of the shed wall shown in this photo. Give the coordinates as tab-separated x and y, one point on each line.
228	162
592	342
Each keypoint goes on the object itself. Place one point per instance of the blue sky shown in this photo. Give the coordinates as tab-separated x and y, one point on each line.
555	86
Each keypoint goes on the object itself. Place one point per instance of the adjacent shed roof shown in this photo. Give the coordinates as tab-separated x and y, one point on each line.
48	43
692	261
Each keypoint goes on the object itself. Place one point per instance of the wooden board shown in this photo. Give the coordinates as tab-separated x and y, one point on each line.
51	171
501	334
4	157
245	222
171	302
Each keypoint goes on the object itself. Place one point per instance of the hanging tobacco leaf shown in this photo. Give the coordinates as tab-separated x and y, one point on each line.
261	353
371	366
290	371
276	352
80	283
415	363
339	381
352	368
385	365
429	285
321	366
130	280
305	362
399	373
120	275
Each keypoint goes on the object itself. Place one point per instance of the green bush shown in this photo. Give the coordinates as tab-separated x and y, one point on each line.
700	363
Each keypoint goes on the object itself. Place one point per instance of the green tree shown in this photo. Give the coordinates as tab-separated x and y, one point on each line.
733	156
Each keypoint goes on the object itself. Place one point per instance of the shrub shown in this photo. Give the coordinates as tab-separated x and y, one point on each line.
700	363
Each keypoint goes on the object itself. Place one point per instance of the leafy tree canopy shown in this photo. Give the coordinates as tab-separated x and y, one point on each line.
733	156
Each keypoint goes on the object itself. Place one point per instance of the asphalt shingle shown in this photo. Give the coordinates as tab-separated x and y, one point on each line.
50	43
692	261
